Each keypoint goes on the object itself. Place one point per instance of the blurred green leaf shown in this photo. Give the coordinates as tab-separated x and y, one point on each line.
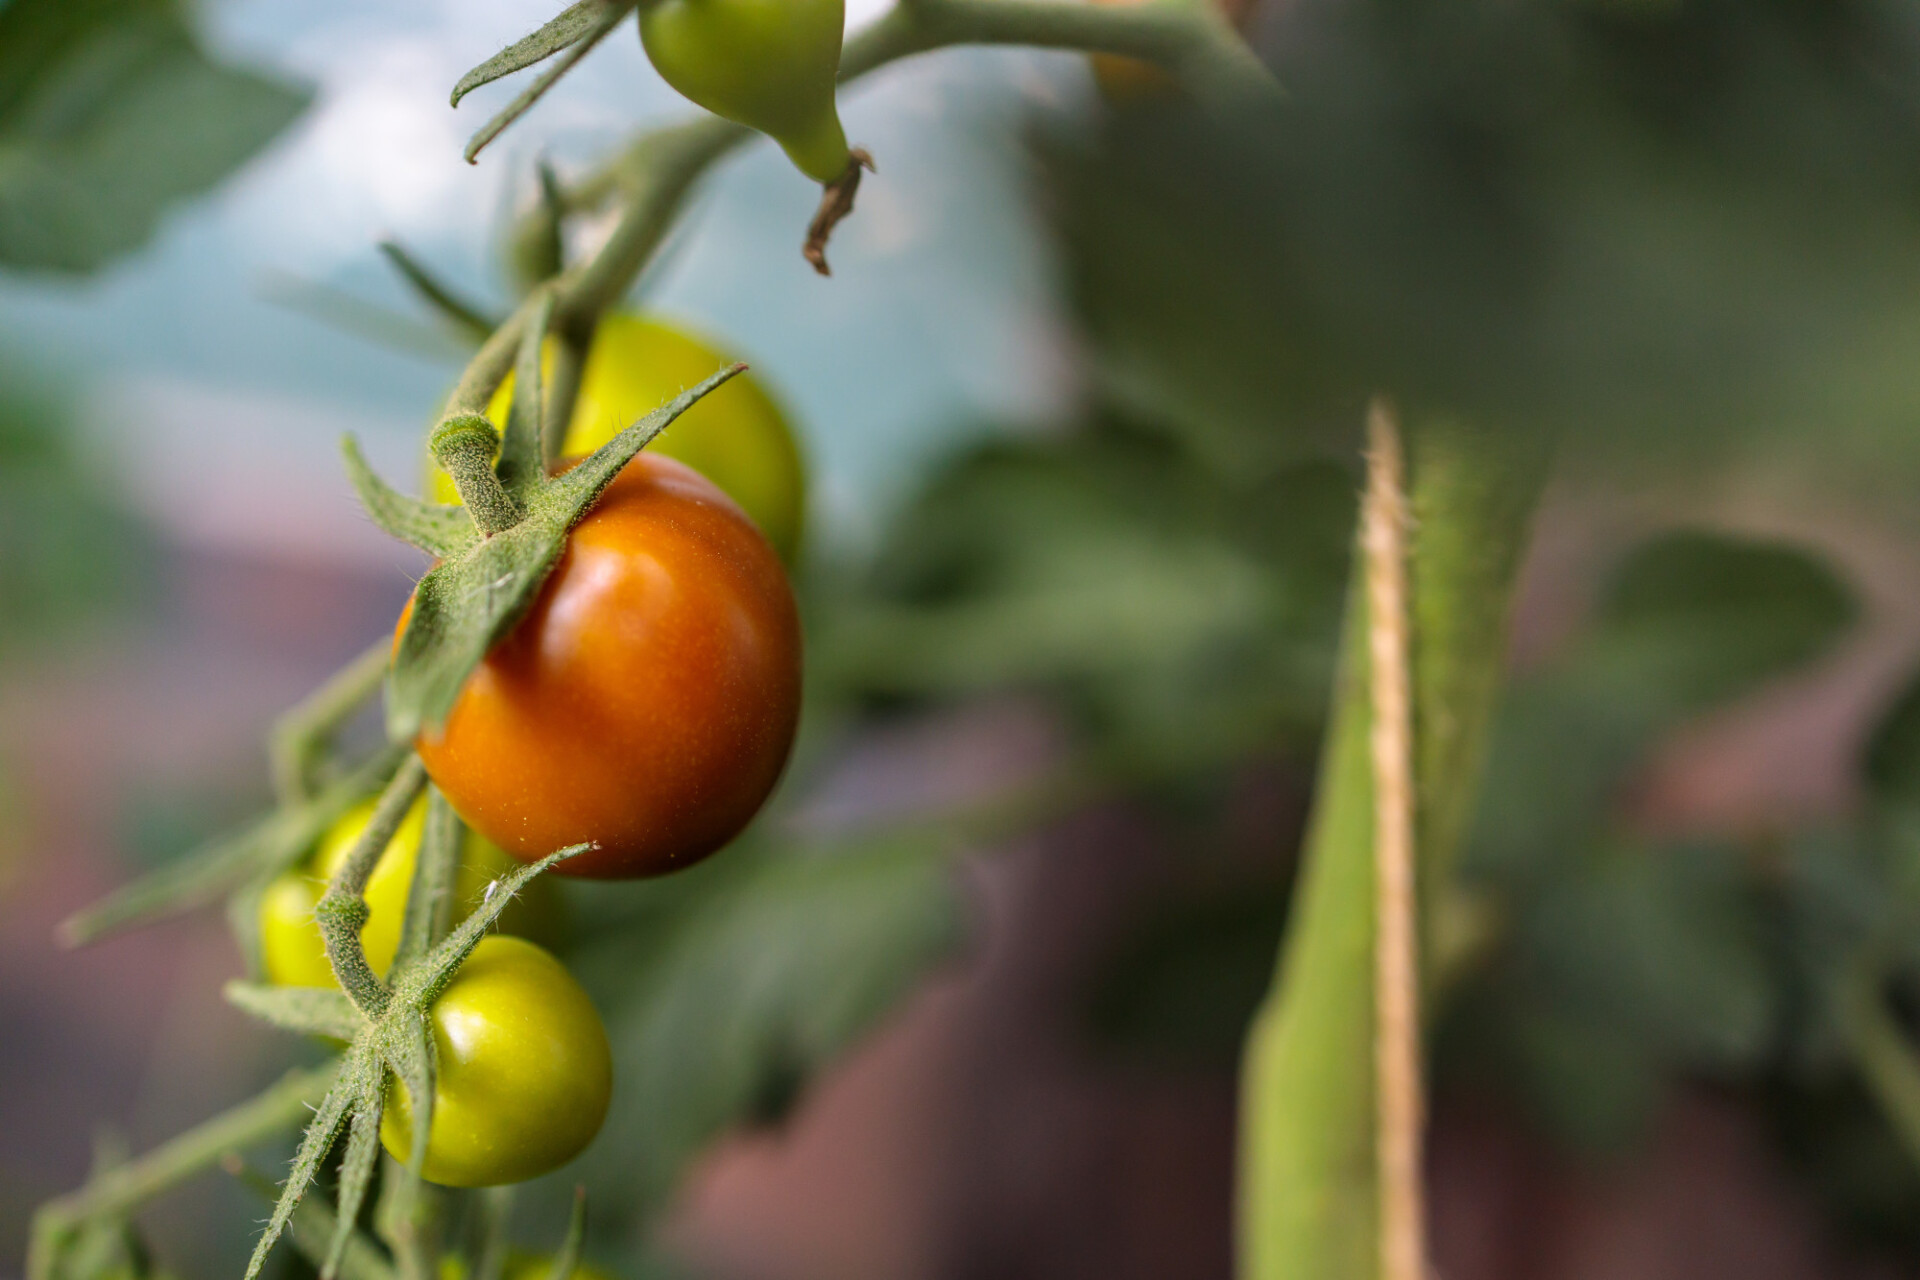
1695	618
1656	228
729	986
110	112
1892	762
1690	620
1185	983
1185	621
70	550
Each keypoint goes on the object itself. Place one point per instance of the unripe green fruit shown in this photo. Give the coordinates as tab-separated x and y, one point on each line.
767	64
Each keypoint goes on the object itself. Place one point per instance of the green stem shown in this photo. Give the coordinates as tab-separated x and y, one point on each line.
570	349
1193	42
1307	1199
1888	1061
123	1188
465	448
659	168
302	736
342	910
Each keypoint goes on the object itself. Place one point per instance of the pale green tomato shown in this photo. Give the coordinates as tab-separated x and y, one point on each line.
524	1071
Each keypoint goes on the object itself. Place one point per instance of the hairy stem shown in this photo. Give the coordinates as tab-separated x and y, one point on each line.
342	910
1398	1091
465	448
1308	1198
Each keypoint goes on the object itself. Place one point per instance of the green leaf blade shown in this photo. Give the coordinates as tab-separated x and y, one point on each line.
110	114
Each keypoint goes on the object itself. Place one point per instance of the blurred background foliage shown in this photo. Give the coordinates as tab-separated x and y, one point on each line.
1681	237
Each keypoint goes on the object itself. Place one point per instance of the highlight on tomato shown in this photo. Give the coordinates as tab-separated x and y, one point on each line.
647	701
739	437
524	1071
292	951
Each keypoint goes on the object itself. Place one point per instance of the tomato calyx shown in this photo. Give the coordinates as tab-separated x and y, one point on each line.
836	204
386	1024
496	550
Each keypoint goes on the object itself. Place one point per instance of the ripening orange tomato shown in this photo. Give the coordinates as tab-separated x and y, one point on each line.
648	699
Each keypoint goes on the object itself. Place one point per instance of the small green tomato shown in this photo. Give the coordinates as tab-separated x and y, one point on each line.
767	64
525	1073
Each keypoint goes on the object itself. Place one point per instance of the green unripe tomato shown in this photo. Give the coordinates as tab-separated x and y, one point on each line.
523	1266
291	949
767	64
525	1073
738	437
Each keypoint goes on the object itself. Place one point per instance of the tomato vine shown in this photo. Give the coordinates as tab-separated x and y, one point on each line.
494	555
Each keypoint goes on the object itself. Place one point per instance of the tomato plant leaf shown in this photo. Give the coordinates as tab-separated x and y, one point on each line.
307	1010
110	112
468	603
744	976
437	530
1892	760
269	845
575	23
421	983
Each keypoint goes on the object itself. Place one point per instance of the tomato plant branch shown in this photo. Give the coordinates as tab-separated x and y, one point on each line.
435	872
125	1187
1399	1099
342	909
301	737
465	448
264	848
1308	1194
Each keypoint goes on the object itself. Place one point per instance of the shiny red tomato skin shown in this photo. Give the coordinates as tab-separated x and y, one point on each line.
648	700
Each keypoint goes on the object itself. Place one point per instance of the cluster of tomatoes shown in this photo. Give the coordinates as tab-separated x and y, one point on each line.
645	704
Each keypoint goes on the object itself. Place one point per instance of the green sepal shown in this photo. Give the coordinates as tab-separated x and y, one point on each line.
356	1169
422	983
408	1050
592	31
469	320
316	1011
264	849
573	25
313	1227
439	531
327	1122
468	603
522	465
567	1261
